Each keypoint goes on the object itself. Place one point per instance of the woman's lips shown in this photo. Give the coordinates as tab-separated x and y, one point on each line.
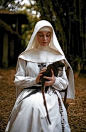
44	42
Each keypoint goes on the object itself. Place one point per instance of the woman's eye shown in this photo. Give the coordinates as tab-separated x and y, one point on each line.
48	35
40	35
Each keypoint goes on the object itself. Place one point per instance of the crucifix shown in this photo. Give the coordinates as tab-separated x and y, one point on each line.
41	65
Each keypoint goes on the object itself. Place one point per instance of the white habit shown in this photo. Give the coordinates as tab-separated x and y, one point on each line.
29	114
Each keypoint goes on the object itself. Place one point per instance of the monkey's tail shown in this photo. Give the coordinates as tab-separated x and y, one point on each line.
45	104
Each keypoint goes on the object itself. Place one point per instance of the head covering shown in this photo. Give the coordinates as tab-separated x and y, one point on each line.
46	28
32	52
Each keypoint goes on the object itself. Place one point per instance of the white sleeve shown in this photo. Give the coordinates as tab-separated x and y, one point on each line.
21	80
61	82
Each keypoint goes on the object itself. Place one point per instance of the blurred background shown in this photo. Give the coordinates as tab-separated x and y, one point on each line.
68	17
17	21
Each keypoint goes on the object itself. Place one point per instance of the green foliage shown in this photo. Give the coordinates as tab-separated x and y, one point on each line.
67	18
26	29
77	62
5	2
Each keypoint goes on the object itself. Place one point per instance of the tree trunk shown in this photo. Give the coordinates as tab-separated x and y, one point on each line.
5	50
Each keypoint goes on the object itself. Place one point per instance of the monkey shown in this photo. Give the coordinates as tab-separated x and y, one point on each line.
55	66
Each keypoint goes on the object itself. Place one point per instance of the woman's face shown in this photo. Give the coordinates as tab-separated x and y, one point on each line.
44	37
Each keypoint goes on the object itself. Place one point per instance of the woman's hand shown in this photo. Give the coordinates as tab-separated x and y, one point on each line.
51	79
39	75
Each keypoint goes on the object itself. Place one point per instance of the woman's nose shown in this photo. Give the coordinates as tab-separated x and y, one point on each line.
44	38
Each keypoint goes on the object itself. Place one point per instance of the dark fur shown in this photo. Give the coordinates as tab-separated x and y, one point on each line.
56	66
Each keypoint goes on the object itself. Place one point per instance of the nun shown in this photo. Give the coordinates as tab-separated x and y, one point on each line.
29	113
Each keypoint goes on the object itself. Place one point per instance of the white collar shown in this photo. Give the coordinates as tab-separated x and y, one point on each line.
44	48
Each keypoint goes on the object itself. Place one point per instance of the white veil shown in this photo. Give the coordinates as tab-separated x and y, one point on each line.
54	44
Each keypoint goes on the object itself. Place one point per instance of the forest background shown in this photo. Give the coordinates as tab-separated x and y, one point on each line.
68	18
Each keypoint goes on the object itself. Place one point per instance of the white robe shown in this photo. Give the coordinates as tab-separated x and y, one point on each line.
29	114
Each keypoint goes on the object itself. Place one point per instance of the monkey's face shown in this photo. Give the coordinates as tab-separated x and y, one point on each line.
59	65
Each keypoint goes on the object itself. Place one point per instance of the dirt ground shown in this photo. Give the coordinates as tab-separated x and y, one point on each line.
76	109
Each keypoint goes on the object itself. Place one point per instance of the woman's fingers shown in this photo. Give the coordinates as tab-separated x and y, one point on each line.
52	72
40	74
51	79
48	83
38	78
43	70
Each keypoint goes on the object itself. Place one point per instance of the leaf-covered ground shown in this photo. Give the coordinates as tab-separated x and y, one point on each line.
76	109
